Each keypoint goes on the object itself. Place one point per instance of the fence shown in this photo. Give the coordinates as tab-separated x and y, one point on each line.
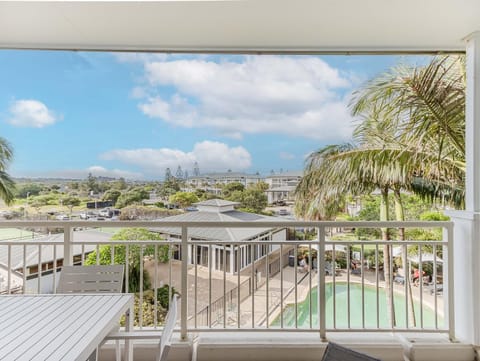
348	285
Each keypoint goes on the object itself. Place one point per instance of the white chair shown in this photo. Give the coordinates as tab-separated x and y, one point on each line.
91	279
165	336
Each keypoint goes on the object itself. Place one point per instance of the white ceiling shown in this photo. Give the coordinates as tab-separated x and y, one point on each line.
241	26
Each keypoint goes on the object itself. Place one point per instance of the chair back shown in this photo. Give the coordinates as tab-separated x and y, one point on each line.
170	321
91	279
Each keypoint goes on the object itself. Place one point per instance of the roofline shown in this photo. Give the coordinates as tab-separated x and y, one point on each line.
240	51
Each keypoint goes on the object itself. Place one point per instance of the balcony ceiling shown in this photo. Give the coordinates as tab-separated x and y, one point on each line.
241	26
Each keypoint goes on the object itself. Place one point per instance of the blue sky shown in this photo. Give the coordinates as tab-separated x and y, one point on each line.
70	113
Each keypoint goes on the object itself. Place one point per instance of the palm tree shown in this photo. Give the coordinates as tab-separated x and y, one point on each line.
7	185
410	136
426	109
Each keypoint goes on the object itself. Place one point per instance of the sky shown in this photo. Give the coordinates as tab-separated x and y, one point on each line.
67	114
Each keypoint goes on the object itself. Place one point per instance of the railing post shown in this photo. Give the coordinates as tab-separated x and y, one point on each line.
321	282
67	246
184	299
448	234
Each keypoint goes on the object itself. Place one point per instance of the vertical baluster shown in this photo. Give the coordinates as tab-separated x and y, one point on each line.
155	288
254	283
140	297
420	282
9	270
406	280
392	305
348	285
225	287
362	249
195	259
377	285
184	286
310	269
238	293
334	287
267	284
112	254
449	286
281	285
210	285
321	284
296	284
97	251
435	284
127	268
39	273
25	270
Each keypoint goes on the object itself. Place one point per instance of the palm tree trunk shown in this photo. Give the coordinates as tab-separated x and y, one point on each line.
386	257
400	216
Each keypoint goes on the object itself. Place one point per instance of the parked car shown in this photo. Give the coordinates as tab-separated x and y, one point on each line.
62	217
283	212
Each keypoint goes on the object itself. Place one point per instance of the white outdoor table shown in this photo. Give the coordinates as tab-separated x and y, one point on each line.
60	327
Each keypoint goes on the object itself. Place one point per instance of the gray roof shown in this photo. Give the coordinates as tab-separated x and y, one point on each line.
47	250
220	234
290	174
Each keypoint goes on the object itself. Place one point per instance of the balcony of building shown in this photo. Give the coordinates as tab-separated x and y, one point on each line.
270	297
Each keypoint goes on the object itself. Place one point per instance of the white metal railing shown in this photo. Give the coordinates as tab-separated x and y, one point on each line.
333	291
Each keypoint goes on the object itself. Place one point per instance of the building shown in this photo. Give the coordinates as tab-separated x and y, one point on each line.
218	210
211	179
281	186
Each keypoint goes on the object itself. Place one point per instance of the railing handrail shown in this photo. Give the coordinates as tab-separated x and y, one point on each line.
227	224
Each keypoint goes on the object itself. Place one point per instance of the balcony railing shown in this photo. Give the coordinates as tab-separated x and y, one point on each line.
269	282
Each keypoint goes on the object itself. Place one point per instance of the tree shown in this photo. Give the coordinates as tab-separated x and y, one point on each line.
70	202
426	107
111	195
28	189
410	137
134	255
120	184
254	199
183	199
7	185
92	184
135	195
229	188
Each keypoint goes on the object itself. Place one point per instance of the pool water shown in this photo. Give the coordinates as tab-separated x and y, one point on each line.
303	312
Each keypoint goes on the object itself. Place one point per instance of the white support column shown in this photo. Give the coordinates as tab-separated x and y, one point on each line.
472	124
467	223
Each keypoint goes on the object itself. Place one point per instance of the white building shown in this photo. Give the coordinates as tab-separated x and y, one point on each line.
281	186
211	179
217	210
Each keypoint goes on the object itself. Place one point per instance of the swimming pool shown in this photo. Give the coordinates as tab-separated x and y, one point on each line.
303	313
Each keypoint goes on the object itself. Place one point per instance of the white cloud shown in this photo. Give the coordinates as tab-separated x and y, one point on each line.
263	94
139	57
31	113
211	156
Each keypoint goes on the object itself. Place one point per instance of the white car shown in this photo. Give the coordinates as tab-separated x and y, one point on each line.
62	217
